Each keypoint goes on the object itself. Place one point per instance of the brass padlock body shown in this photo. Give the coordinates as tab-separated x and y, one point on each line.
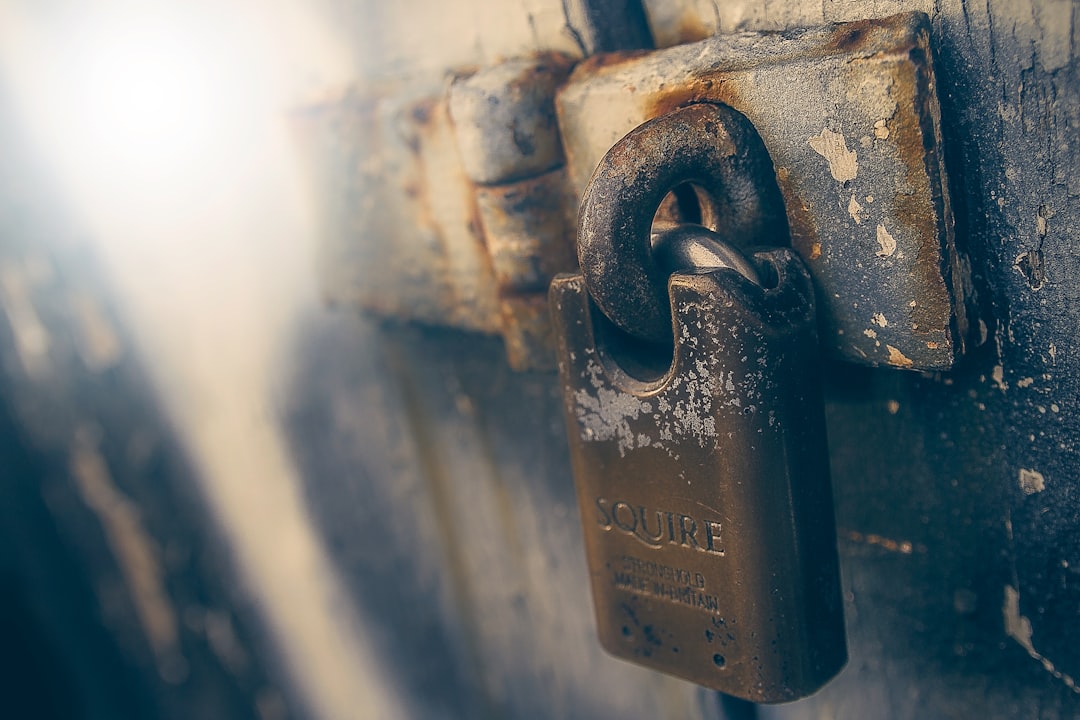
704	494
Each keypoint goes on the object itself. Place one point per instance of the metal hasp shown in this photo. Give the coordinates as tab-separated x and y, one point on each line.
446	203
703	475
850	116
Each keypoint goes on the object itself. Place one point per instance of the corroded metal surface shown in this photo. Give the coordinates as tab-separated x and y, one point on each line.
527	332
704	493
848	113
850	117
709	145
528	226
504	117
529	230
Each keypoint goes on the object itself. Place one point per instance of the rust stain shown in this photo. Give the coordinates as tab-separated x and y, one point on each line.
714	87
864	37
805	238
416	130
705	88
692	28
528	333
603	61
528	226
850	37
903	547
915	144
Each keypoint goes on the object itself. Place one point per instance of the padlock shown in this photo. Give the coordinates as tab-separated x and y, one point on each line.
700	460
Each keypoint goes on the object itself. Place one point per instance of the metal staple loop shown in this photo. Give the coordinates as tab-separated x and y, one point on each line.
707	144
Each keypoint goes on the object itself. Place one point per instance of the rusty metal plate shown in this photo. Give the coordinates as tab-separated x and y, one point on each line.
850	118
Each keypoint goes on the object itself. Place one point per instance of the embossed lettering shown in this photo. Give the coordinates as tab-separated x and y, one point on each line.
605	519
688	533
645	534
712	537
619	522
670	527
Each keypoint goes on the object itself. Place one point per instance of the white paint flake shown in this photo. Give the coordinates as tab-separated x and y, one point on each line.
886	242
1018	628
843	163
881	130
854	209
998	376
607	415
879	320
1031	481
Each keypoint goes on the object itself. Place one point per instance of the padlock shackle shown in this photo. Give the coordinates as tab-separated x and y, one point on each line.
696	250
707	144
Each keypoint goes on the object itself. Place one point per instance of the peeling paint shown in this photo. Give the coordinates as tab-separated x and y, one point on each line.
998	377
898	358
1031	264
843	163
881	130
1031	481
854	209
607	414
1018	628
886	241
879	320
